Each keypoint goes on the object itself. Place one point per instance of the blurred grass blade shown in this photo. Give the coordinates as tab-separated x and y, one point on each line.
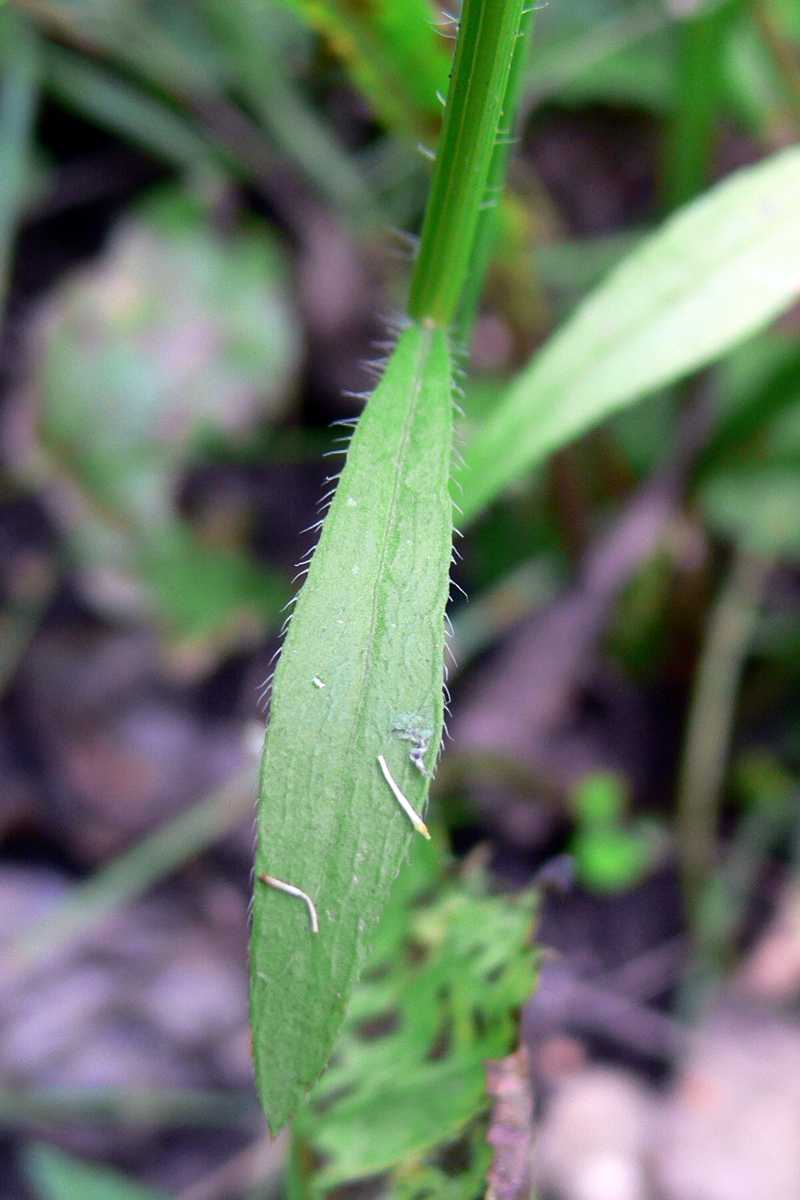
127	111
717	271
362	666
256	44
692	125
557	63
19	88
58	1176
128	876
162	1107
729	637
131	34
394	54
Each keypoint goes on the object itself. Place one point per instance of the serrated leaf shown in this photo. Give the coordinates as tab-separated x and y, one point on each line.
450	969
59	1176
363	662
719	270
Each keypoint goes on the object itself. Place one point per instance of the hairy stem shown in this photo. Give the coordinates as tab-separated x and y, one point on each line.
473	115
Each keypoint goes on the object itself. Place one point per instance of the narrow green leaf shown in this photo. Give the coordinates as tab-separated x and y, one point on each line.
360	676
19	94
58	1176
586	60
258	45
699	103
719	270
126	110
126	877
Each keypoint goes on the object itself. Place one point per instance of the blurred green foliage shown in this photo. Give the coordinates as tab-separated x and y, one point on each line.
405	1099
610	854
394	54
177	334
58	1176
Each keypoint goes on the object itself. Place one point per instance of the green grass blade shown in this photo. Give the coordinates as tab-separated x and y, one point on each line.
131	34
19	88
128	111
127	876
257	46
59	1176
693	124
360	676
559	61
716	272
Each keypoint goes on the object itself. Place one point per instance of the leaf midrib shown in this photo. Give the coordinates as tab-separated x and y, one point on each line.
422	355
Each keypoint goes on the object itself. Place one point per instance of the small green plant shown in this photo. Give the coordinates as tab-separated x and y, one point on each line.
366	643
610	855
176	336
365	646
221	91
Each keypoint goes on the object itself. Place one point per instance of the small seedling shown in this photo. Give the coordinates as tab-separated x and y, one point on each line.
610	854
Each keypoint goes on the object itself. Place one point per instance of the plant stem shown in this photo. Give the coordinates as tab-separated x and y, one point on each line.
487	37
781	51
487	216
711	714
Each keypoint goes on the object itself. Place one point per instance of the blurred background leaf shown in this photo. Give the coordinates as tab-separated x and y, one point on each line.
59	1176
178	334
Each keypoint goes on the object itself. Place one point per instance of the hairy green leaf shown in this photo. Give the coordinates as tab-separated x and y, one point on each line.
360	676
719	270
